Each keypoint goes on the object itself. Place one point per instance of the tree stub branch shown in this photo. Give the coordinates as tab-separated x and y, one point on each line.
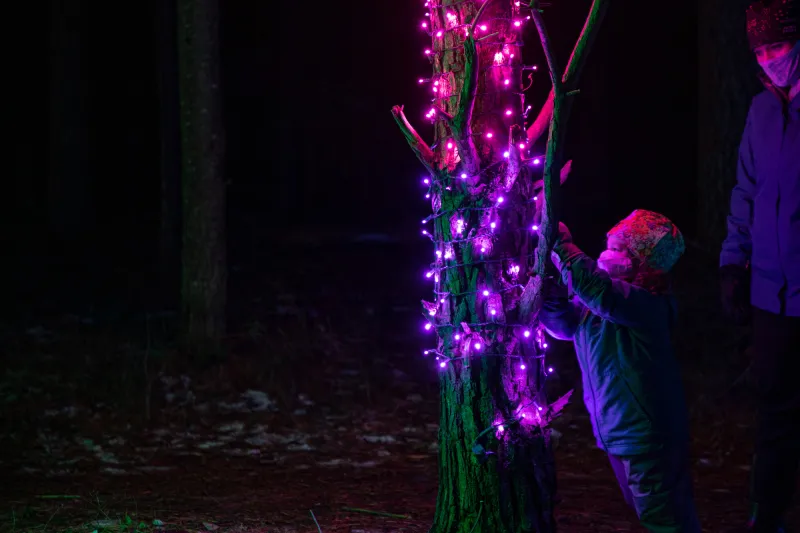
417	144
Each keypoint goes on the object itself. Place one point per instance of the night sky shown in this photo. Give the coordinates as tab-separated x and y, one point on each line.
310	139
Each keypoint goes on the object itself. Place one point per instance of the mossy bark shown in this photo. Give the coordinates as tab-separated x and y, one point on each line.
512	487
204	271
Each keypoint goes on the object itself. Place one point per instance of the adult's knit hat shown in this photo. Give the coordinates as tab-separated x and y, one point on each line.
772	21
652	238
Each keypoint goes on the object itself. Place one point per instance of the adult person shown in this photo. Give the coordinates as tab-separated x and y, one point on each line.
760	258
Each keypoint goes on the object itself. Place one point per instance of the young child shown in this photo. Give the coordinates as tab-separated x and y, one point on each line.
620	320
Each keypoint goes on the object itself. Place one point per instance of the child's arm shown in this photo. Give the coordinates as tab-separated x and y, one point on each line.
608	298
559	315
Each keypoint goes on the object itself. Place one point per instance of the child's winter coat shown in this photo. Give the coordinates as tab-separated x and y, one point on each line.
631	380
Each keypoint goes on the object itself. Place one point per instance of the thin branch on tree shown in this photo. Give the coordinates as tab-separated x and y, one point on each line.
574	68
417	144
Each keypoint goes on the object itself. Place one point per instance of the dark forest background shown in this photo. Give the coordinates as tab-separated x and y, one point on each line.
311	146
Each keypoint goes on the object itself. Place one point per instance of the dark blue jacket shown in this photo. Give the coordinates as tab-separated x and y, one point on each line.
764	221
631	380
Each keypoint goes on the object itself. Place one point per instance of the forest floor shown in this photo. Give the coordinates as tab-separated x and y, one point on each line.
324	410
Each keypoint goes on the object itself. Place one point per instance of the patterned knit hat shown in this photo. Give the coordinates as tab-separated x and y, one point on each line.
652	238
772	21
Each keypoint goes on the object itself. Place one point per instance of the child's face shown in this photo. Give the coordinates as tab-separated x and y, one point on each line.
617	245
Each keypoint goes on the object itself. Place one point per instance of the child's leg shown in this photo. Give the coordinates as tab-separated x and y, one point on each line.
622	478
662	493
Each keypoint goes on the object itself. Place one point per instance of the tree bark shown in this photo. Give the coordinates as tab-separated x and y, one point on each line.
170	157
69	189
496	466
204	283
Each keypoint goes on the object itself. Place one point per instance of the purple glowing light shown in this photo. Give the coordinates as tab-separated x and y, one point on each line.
486	293
477	346
550	369
522	366
463	176
489	135
536	161
500	200
442	364
535	227
526	334
428	326
508	111
505	154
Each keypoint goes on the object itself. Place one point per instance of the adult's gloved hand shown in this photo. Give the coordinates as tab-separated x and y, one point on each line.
734	281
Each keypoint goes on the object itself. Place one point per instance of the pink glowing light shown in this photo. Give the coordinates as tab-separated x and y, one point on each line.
500	428
493	312
422	80
424	24
536	161
500	200
506	82
508	111
449	146
521	146
493	225
427	52
506	154
489	135
436	89
483	27
517	23
486	293
432	312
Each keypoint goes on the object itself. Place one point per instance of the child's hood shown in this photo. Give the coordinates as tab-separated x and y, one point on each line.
652	238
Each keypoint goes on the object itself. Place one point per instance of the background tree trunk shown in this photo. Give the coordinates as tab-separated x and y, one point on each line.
727	84
69	188
204	283
170	160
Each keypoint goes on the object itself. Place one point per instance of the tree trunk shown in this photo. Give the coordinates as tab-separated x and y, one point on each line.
204	283
727	84
496	466
170	160
489	480
69	189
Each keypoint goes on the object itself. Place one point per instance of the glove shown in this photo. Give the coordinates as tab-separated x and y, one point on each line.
735	293
563	248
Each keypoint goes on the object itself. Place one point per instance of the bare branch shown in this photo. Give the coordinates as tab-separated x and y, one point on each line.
574	67
542	122
417	144
585	41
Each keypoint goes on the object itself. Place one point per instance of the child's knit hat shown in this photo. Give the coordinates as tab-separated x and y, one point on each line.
652	238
